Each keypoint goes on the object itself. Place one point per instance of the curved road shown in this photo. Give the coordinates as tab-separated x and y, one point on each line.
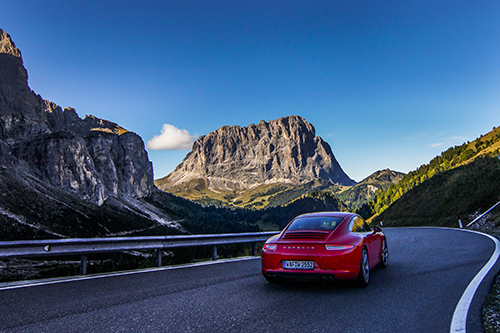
428	272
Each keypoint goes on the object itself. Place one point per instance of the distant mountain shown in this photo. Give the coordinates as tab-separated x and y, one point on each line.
365	191
234	164
63	176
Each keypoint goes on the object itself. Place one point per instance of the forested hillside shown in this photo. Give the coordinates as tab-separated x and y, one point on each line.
451	195
317	201
197	219
486	145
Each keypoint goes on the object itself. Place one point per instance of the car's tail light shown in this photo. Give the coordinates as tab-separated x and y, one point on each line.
332	247
270	247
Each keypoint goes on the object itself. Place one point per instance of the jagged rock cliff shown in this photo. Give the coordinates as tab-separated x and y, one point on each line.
90	159
285	150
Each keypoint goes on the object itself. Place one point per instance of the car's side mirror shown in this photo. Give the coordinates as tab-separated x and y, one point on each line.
377	229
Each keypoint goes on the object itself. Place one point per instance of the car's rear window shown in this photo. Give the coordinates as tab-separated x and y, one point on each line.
315	223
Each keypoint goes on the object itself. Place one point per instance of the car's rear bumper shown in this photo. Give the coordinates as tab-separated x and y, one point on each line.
338	265
323	277
318	275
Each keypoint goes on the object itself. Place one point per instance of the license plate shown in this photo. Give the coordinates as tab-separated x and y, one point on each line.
298	264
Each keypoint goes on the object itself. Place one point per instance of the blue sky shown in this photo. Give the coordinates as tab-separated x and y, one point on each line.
388	84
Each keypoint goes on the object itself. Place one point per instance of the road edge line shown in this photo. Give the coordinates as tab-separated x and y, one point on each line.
34	283
459	320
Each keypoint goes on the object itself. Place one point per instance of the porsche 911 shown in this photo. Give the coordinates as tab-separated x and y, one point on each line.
325	246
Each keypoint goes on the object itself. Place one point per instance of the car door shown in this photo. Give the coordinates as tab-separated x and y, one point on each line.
376	245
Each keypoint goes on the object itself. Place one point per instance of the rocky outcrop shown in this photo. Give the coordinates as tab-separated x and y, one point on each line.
90	159
285	150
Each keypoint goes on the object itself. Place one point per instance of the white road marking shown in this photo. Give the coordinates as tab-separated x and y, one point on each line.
459	321
33	283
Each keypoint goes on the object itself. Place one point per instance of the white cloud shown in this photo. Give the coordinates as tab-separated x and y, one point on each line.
434	145
171	138
458	139
449	142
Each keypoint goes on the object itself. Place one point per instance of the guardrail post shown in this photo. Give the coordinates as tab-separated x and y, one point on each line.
254	249
83	264
214	252
158	257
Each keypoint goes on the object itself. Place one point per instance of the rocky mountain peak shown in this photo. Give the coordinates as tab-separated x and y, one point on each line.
385	175
285	150
7	46
13	75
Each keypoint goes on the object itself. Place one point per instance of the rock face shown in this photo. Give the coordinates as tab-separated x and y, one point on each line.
90	159
285	150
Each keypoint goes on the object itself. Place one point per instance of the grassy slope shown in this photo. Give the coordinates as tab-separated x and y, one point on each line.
259	197
209	219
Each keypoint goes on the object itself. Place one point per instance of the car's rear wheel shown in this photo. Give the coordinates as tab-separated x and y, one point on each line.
385	255
364	269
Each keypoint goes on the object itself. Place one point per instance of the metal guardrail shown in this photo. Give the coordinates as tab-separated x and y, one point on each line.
86	246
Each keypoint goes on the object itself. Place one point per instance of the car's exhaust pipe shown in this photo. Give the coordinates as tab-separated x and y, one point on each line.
327	278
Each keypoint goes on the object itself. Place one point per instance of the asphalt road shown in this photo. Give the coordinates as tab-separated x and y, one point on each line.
429	270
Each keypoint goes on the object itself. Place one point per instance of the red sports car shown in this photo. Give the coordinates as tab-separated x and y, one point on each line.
325	246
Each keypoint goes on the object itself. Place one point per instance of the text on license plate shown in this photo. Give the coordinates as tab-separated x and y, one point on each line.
298	264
